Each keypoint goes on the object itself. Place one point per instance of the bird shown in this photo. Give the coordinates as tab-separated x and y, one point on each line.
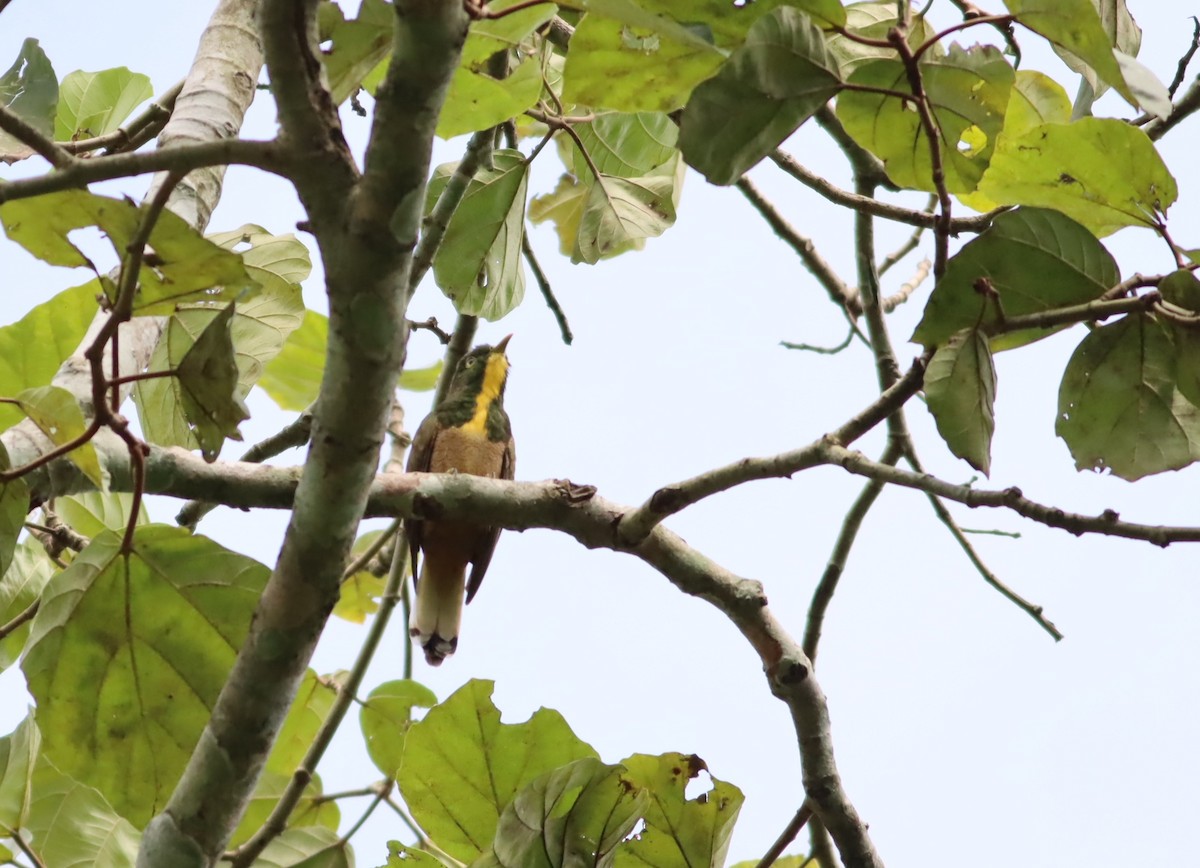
467	432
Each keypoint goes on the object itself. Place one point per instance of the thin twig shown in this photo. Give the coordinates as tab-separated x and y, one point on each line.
422	842
823	351
382	791
25	616
1181	69
24	847
543	283
907	288
787	836
908	246
360	562
431	325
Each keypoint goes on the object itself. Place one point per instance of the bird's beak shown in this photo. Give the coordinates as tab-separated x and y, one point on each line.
502	344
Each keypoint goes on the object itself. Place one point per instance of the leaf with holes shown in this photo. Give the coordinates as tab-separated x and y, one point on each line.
385	719
1118	405
679	830
274	262
183	265
573	815
1034	260
131	650
34	347
960	387
460	807
618	211
57	414
95	103
29	89
478	264
968	90
20	587
767	88
1101	172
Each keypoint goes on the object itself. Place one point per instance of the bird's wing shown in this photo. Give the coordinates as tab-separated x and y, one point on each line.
482	556
420	456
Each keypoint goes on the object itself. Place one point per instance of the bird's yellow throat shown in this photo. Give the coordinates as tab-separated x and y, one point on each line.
493	379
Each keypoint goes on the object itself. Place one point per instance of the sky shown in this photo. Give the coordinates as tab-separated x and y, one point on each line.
964	734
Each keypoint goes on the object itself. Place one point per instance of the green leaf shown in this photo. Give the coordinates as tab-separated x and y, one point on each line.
18	758
960	387
1034	259
183	267
1122	32
130	651
573	815
794	860
969	92
421	379
310	708
461	766
29	89
1118	405
476	101
57	414
310	810
93	512
20	586
1102	172
275	262
14	506
293	378
359	46
478	264
679	831
306	847
619	211
767	88
385	719
873	20
1187	360
704	21
33	348
73	824
402	856
628	68
489	35
94	103
622	145
208	379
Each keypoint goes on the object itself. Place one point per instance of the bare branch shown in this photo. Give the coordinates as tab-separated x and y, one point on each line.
787	836
543	283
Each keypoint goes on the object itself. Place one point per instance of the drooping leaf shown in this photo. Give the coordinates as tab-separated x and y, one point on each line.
94	103
969	92
873	20
20	586
1102	172
679	831
459	807
275	262
478	264
1118	405
1033	259
185	266
18	759
92	512
618	211
477	101
630	68
73	824
574	815
385	719
29	89
208	379
358	47
57	414
34	347
960	387
767	88
622	145
131	651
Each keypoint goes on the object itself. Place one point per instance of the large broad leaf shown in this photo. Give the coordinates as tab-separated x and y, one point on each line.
478	264
632	68
34	347
1118	405
385	719
1102	172
1075	26
275	262
20	586
1123	35
18	759
293	377
184	266
14	506
679	831
357	46
95	103
968	90
130	651
960	386
506	32
310	810
621	145
29	89
93	512
1033	259
619	211
477	101
306	847
57	414
874	20
574	815
73	824
462	767
704	21
207	376
767	88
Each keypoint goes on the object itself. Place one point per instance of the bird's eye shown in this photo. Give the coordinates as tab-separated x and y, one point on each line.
469	362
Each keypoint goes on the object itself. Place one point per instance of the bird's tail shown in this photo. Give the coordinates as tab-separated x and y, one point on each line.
437	614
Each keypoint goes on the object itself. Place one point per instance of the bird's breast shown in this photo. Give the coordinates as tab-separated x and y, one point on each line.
466	451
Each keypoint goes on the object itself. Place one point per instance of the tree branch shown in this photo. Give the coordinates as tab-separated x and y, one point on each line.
21	130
